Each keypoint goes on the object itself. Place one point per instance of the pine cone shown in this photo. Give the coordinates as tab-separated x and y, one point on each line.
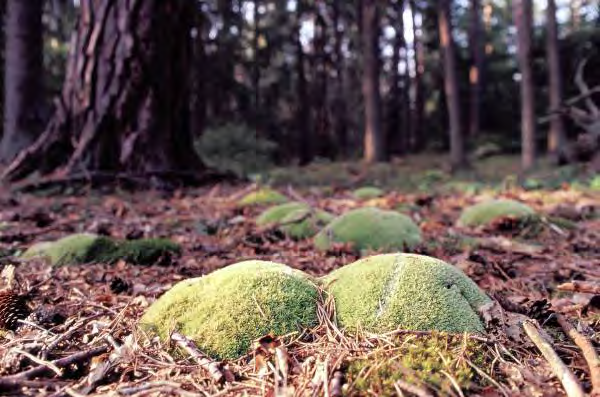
13	307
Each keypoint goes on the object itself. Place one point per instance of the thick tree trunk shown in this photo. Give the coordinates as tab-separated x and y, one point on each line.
457	151
475	73
374	150
522	13
556	135
124	105
23	106
322	124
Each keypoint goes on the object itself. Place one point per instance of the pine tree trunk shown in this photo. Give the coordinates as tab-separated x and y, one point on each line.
373	138
23	119
339	107
556	135
457	151
124	104
304	134
475	72
416	122
522	11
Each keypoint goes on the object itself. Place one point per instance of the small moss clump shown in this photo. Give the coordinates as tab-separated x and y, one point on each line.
367	192
73	249
275	214
263	196
305	223
226	310
147	251
370	228
488	211
386	292
419	360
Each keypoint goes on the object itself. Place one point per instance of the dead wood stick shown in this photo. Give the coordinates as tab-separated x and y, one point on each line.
211	366
413	389
589	353
12	382
565	375
336	383
580	286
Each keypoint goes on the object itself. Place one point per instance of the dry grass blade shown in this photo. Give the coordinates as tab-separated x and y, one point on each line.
565	375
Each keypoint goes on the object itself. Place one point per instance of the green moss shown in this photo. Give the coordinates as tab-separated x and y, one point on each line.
367	192
418	360
147	251
263	196
370	228
385	292
276	213
226	310
76	248
489	211
305	223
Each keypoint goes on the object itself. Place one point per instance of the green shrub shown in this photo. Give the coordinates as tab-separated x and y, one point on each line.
237	149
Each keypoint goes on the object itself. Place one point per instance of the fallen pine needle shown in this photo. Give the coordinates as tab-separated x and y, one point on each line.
589	353
565	375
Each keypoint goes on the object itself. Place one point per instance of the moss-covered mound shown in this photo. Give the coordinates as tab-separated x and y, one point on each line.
84	248
305	222
385	292
370	228
228	309
367	192
275	214
263	196
488	211
73	249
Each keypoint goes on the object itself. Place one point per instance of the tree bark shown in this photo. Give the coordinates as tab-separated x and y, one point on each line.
416	123
304	137
124	105
475	72
23	98
457	151
556	135
522	14
339	101
373	138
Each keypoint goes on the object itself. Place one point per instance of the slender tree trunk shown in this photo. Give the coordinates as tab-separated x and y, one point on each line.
339	100
556	135
416	123
124	105
575	8
475	73
374	150
198	104
322	125
256	59
522	11
23	99
304	137
457	151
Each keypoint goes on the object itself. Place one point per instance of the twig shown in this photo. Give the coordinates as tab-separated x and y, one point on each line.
580	286
589	353
416	390
12	382
211	366
40	361
337	380
567	378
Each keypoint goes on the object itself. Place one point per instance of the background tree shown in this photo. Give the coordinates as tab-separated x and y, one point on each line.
522	11
124	102
23	88
556	135
476	47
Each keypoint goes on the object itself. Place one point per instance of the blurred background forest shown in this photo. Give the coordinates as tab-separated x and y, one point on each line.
129	87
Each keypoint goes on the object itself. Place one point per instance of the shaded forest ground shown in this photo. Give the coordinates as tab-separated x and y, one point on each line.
82	307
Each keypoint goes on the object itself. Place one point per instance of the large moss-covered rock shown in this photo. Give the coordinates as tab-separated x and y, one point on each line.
370	228
73	249
226	310
263	196
367	192
305	222
275	214
386	292
488	211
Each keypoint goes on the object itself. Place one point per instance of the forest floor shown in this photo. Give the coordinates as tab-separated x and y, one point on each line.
92	310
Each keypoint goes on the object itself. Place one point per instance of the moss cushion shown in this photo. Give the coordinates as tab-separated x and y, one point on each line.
76	248
488	211
146	251
226	310
305	222
386	292
275	214
370	228
367	192
263	196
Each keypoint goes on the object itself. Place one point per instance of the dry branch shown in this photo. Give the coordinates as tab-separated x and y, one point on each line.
580	286
589	353
211	366
565	375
